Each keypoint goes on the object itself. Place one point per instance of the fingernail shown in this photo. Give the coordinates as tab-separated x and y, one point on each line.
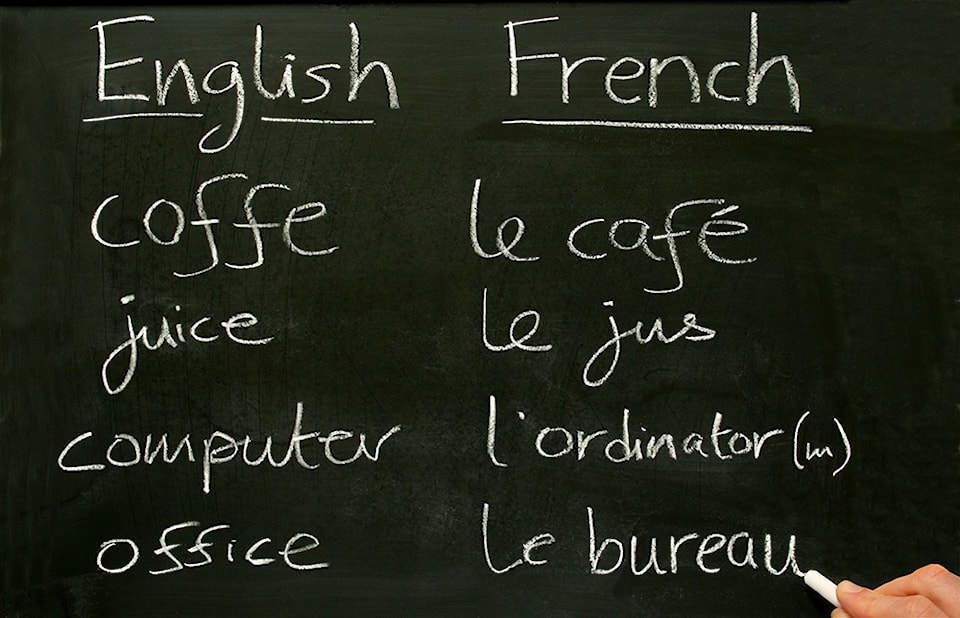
850	587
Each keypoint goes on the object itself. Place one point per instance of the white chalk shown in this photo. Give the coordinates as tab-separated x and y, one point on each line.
824	587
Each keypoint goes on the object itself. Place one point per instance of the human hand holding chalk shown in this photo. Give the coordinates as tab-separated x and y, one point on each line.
929	591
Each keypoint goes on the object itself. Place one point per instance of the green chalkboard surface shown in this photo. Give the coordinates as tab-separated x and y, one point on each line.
504	310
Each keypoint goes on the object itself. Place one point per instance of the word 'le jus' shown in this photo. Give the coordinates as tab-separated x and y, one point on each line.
606	357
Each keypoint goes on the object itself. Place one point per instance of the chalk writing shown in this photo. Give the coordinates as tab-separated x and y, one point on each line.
657	241
740	550
339	447
172	333
623	71
627	235
706	553
527	549
302	213
518	341
179	555
804	453
227	78
690	331
633	442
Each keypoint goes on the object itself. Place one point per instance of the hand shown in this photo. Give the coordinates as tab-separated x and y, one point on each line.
931	591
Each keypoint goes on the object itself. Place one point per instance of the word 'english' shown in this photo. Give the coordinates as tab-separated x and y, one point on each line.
227	78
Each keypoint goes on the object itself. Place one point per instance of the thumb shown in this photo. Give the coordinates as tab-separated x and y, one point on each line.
865	603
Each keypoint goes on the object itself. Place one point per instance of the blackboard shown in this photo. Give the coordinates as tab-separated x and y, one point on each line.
461	310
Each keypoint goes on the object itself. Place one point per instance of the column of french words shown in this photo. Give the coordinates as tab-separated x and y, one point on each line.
664	241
